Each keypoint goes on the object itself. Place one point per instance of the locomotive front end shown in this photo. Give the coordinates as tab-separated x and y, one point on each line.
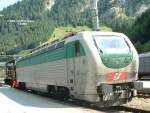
118	70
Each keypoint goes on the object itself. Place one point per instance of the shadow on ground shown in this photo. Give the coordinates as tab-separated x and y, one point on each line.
31	100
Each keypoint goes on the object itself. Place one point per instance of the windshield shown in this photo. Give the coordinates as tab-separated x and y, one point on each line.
111	44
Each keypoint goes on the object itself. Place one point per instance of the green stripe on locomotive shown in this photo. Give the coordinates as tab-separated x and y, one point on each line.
65	52
116	60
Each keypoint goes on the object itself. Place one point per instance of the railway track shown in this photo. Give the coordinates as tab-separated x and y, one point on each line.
128	109
91	107
118	109
144	95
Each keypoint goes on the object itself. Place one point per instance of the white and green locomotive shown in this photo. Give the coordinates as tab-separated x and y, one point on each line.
98	67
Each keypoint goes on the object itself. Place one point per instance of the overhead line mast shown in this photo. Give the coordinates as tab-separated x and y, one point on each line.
95	15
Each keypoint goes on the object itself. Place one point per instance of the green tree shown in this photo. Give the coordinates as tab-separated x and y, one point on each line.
141	28
139	47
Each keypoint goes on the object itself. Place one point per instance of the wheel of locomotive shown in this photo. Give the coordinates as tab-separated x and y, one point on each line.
8	82
22	86
51	90
62	93
58	92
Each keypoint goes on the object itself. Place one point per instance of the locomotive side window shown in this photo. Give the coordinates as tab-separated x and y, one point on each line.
77	49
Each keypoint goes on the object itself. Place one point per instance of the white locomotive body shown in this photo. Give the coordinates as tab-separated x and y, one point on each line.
99	67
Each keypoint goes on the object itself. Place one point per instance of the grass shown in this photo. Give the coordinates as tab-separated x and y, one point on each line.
24	52
61	32
105	29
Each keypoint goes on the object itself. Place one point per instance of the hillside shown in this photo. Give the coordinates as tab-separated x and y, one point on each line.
131	8
24	26
27	24
113	12
109	10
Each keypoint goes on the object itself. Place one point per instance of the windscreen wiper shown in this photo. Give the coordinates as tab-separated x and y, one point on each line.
97	46
128	45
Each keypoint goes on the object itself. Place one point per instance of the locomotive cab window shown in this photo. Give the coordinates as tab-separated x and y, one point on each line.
77	48
111	44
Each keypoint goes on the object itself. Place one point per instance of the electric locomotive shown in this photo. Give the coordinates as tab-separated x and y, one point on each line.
98	67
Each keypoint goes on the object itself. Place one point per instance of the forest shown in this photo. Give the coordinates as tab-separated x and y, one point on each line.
26	24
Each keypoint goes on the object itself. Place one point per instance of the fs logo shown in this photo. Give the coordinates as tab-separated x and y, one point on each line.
113	76
117	76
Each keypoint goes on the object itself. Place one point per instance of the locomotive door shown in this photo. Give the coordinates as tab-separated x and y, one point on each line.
79	69
74	68
70	53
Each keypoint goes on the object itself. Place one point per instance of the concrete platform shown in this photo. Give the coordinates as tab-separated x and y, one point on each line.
16	101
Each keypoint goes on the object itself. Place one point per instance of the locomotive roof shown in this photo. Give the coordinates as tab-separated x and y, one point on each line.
43	49
101	33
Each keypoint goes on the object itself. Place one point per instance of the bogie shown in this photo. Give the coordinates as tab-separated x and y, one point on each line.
58	92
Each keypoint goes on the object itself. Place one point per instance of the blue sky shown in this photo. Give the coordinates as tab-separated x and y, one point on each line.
5	3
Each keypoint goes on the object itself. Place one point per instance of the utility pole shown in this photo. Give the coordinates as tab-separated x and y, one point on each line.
95	18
